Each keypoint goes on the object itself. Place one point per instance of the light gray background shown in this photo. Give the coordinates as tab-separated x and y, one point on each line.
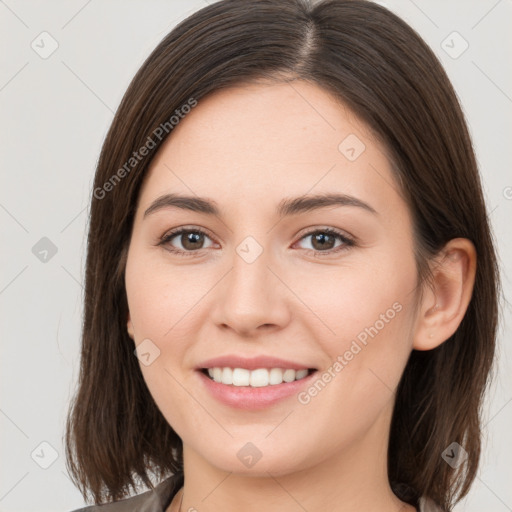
55	113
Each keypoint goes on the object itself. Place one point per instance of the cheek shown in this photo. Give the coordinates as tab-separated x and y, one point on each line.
367	357
158	304
368	294
368	315
145	302
159	297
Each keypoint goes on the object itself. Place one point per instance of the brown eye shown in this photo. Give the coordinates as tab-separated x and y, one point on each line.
191	240
324	240
188	240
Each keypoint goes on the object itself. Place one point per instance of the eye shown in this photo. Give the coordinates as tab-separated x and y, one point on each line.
323	241
191	241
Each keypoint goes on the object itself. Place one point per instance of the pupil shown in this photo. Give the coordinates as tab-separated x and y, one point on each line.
191	239
321	237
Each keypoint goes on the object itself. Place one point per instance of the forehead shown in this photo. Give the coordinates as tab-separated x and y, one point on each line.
260	143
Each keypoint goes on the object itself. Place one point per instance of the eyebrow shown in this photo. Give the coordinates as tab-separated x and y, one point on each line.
286	207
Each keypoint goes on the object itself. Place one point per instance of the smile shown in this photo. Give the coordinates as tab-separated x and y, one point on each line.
260	377
254	389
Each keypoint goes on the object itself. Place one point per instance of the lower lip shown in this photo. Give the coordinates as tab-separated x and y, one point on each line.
249	398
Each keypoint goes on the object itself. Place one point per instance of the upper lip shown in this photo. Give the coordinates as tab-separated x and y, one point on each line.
251	363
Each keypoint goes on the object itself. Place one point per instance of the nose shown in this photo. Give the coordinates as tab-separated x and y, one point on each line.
252	297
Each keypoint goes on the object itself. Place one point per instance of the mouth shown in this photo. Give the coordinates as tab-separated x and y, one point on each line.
253	383
254	390
257	378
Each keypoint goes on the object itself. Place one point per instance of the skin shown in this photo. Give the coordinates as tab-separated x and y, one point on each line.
247	148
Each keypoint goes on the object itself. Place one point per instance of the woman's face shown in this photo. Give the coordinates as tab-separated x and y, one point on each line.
261	278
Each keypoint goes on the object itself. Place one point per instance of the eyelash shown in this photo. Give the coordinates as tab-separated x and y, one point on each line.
347	241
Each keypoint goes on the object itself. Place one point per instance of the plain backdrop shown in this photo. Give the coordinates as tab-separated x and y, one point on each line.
64	68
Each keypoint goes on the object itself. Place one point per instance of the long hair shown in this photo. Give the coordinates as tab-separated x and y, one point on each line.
381	69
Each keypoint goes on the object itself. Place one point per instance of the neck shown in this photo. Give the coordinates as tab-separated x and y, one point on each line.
352	478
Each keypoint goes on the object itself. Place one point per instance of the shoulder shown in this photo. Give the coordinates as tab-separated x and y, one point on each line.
156	500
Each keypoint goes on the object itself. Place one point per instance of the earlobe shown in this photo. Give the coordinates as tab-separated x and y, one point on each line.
446	300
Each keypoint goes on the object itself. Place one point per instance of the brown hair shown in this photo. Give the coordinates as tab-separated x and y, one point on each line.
384	72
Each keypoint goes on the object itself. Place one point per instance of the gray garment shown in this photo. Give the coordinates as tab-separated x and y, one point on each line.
160	498
156	500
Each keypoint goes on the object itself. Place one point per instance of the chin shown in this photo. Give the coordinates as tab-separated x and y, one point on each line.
254	459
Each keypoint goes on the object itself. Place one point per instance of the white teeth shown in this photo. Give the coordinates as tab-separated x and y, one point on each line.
289	375
227	376
259	378
255	378
300	374
276	376
241	377
217	374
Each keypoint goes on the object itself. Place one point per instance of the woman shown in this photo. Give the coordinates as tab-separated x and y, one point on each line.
291	286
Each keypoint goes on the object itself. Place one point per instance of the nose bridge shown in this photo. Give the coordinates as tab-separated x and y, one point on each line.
251	295
250	278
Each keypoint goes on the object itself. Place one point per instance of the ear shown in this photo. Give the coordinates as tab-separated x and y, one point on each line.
129	327
445	300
